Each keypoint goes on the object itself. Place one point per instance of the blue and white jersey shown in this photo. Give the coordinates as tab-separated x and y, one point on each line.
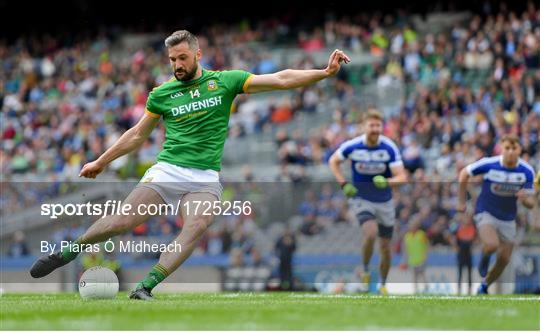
368	162
500	185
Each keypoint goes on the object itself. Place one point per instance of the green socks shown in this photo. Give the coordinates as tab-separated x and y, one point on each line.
157	275
70	252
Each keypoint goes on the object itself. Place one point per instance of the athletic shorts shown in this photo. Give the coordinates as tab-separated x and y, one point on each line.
383	213
505	229
172	182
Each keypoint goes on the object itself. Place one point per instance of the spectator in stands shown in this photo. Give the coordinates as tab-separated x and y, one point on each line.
327	214
309	205
463	240
18	246
438	233
214	242
285	248
236	258
309	225
416	248
257	259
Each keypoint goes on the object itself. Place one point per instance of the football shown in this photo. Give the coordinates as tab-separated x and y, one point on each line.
98	283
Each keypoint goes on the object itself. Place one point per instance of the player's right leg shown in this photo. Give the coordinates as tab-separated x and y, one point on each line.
365	214
490	243
103	229
369	235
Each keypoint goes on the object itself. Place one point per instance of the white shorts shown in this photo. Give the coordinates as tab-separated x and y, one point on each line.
172	182
505	229
384	213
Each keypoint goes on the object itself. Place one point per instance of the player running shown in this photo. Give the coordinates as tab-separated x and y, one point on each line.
376	164
507	179
195	106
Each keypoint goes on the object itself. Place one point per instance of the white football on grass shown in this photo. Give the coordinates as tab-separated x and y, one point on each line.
98	283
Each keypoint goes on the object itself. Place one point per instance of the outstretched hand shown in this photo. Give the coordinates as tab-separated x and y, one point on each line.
334	63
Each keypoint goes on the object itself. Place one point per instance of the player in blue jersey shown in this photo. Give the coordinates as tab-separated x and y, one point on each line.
507	180
376	167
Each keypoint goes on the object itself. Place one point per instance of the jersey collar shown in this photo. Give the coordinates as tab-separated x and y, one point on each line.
363	139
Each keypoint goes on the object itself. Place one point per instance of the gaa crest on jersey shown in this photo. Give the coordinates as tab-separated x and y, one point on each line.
212	85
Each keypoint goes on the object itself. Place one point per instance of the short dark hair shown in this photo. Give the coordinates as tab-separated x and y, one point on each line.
182	36
511	138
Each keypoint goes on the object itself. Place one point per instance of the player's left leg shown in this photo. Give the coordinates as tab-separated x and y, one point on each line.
504	253
195	225
506	230
196	222
369	235
385	213
496	235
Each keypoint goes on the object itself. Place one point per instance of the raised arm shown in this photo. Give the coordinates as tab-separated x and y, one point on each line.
291	78
129	141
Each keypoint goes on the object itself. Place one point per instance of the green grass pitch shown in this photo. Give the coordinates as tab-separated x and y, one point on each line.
269	311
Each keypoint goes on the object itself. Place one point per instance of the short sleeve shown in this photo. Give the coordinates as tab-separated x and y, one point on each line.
529	181
345	150
237	80
395	156
479	167
152	108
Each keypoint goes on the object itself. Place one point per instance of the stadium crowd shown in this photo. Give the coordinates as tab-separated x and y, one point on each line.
466	88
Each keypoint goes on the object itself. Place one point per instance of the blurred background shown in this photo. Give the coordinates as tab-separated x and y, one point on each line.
450	78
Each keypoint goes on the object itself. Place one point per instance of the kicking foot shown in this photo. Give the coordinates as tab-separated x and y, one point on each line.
141	293
383	290
482	290
47	264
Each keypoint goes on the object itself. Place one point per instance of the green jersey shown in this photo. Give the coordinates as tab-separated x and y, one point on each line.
196	116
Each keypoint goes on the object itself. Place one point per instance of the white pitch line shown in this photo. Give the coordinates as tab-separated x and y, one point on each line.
421	297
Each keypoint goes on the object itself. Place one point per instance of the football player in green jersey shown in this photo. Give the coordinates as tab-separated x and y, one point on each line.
195	107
